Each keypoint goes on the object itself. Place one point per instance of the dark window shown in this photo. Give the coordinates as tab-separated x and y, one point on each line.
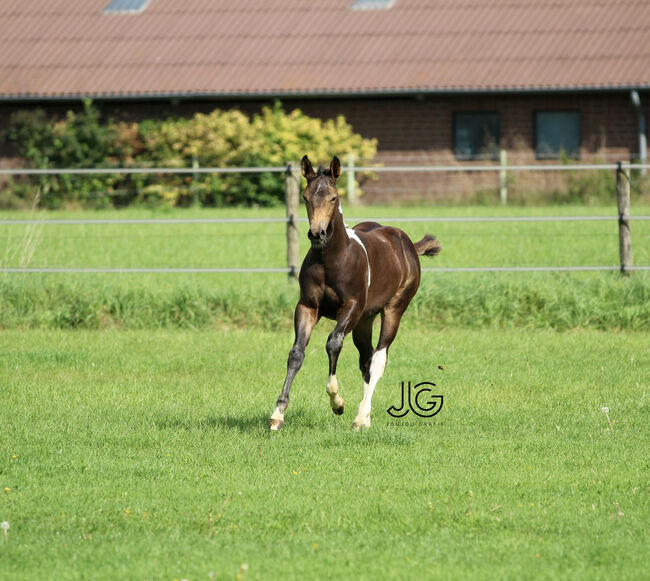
557	132
476	135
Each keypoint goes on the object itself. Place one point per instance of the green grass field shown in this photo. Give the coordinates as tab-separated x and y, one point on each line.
145	455
134	410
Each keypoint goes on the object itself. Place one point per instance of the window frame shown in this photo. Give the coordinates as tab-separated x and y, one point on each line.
472	157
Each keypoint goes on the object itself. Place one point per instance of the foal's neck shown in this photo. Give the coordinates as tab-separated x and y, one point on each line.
339	241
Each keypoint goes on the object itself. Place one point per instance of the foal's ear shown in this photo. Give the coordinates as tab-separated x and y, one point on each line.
335	167
307	169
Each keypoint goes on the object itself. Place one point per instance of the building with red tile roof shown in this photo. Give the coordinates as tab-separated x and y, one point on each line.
435	81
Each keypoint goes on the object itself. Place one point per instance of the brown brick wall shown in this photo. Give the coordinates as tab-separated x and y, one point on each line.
419	131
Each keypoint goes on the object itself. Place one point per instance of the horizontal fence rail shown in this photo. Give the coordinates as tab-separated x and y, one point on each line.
99	270
450	219
140	170
73	221
531	268
497	167
282	169
162	270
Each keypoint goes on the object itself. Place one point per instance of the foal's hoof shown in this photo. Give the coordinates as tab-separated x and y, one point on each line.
275	425
339	410
357	425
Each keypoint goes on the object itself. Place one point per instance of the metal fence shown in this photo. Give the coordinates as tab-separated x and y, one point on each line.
292	191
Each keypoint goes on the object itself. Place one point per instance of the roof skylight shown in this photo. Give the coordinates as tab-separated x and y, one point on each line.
372	4
126	6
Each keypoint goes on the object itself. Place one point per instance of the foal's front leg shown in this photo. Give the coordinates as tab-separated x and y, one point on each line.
304	320
346	321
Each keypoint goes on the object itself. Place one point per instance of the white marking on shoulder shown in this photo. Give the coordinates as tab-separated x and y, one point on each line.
353	235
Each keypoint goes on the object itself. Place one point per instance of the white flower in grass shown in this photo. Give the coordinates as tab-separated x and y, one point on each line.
5	527
605	410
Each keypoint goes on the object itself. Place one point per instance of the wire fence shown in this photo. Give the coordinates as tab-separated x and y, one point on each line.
359	168
458	269
291	172
423	219
469	181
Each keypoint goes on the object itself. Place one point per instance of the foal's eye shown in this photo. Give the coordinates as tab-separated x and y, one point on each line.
333	199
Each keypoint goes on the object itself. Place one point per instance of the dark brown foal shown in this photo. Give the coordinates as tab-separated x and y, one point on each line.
351	276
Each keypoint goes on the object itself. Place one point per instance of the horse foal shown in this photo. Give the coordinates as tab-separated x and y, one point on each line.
350	276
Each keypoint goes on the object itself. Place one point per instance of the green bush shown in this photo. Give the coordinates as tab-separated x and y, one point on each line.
218	139
80	140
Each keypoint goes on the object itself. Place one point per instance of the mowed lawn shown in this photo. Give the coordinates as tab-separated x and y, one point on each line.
145	455
141	451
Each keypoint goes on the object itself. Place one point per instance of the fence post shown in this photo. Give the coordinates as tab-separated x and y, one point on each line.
292	198
503	177
195	177
624	233
352	180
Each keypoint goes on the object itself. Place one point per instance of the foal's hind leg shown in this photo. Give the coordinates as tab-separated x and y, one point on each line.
390	319
362	336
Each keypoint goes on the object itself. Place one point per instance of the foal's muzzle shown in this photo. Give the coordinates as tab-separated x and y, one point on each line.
318	236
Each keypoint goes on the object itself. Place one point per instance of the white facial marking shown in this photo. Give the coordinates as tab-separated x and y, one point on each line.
353	235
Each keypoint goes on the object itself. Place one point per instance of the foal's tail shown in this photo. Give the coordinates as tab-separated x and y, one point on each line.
428	246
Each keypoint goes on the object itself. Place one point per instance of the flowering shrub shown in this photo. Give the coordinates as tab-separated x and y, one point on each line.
230	138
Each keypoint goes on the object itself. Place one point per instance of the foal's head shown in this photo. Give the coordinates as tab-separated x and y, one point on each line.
322	199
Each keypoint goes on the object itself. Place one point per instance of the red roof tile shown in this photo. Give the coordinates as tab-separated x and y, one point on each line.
56	48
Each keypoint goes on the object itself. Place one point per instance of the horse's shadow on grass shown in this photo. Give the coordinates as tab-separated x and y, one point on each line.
245	423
